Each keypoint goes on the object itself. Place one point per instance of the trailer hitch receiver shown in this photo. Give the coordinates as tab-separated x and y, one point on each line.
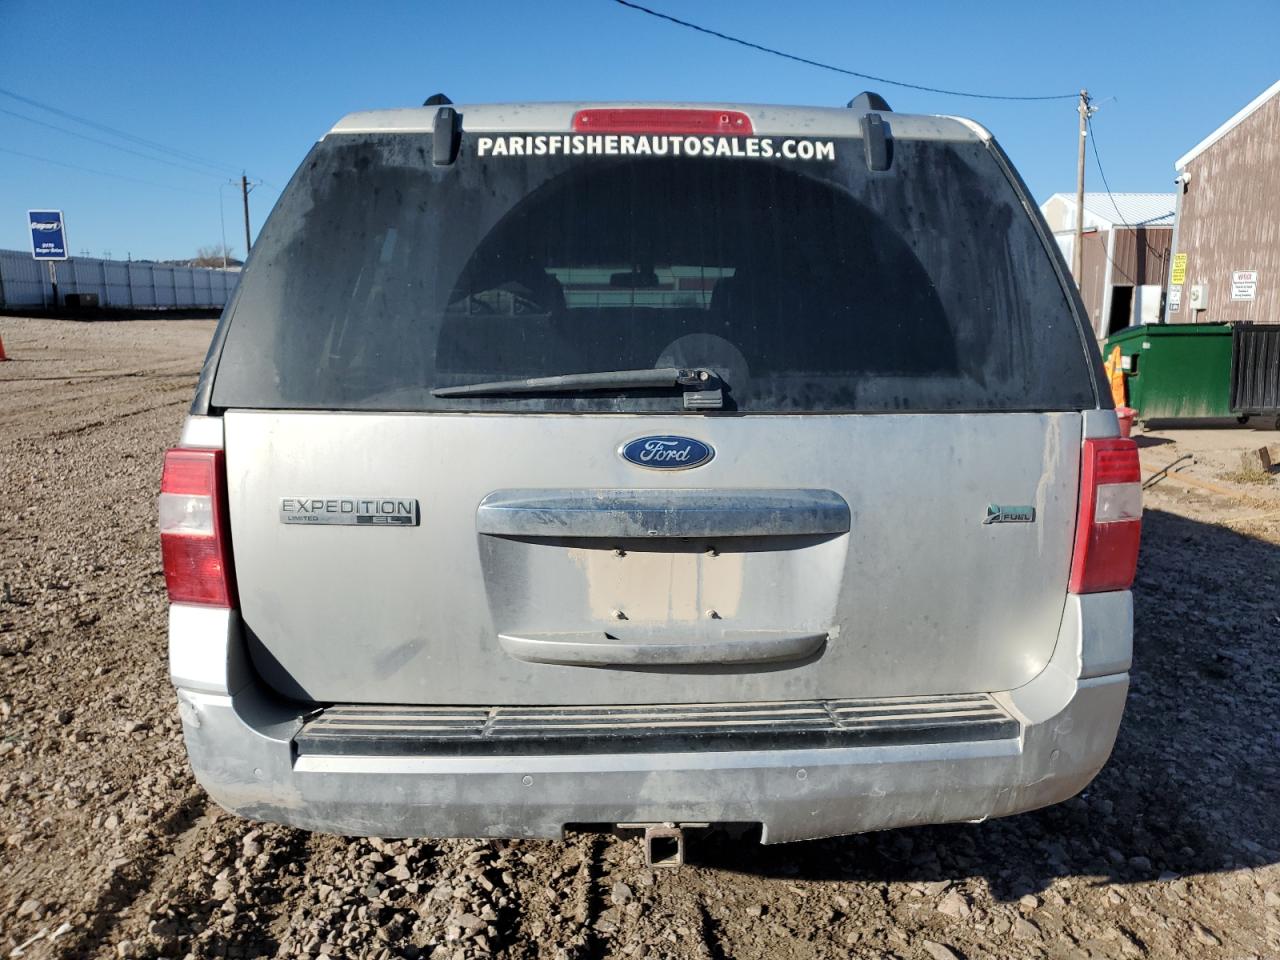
664	846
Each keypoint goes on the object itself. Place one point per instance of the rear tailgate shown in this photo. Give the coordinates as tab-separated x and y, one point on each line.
919	596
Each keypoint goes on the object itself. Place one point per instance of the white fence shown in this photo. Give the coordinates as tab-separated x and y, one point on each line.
121	284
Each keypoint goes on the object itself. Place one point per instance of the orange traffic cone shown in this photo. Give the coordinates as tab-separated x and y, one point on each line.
2	353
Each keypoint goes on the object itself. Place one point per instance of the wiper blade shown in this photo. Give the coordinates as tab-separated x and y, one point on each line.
703	384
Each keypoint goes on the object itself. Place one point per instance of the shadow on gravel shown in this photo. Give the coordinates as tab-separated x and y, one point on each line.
1190	786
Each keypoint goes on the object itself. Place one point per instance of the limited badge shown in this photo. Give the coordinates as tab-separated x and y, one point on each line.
350	511
1001	514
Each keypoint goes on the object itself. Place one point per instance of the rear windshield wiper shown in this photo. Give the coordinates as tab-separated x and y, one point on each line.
702	387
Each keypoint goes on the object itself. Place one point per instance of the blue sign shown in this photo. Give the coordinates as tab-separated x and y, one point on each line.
667	453
48	234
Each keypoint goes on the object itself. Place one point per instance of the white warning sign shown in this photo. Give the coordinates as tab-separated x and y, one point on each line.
1244	284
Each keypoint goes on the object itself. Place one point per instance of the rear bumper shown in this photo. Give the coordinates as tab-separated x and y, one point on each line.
241	744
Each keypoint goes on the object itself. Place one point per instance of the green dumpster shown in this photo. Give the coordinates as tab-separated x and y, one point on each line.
1176	370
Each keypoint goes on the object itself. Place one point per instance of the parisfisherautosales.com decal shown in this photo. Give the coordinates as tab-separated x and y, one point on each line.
655	145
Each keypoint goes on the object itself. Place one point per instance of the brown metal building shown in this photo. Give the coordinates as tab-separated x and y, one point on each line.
1226	238
1127	238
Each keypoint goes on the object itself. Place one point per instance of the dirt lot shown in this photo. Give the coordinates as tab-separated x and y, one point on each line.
109	848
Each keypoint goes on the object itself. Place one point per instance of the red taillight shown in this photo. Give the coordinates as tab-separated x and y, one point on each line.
649	120
1109	526
194	534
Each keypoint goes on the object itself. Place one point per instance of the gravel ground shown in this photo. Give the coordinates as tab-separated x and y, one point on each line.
108	848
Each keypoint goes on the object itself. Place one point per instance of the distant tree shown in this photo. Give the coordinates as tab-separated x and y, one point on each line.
213	256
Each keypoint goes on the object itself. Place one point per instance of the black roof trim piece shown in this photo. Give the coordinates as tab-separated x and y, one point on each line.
877	141
444	147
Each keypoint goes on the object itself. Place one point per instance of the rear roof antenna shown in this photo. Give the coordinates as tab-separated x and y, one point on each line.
866	102
436	100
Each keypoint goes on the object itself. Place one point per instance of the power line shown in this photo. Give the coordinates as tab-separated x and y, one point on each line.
141	141
828	66
1093	143
114	146
1097	159
101	173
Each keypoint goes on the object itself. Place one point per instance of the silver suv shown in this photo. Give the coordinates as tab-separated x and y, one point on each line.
656	464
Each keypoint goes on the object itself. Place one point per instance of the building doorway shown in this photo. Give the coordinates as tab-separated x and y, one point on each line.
1121	314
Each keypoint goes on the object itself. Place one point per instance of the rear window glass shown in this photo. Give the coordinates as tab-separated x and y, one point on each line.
807	285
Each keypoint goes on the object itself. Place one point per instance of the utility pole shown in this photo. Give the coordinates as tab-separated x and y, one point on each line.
245	188
1077	249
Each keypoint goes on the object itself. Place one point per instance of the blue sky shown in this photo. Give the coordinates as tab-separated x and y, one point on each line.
252	85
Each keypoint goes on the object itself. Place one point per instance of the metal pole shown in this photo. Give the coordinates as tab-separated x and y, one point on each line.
222	222
53	281
1077	251
245	192
1180	187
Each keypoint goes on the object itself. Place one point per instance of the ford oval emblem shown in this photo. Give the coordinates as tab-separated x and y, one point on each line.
667	453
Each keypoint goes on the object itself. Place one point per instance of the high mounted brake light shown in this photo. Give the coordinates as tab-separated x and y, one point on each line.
194	532
663	120
1109	526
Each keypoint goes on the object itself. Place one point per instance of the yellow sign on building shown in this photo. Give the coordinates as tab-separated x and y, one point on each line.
1179	269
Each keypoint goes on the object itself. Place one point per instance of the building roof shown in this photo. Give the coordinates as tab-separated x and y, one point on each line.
1124	209
1227	127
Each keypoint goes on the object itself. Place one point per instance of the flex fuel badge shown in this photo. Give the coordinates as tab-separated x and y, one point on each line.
1002	514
